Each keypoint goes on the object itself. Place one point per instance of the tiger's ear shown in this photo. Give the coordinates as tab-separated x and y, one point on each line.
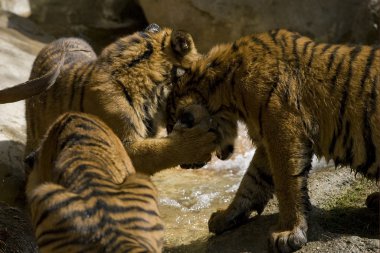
183	48
182	43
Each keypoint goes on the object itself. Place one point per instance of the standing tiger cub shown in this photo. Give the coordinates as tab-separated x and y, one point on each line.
84	193
126	86
297	97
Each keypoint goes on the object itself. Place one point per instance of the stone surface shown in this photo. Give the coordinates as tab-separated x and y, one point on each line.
16	235
19	7
355	21
97	21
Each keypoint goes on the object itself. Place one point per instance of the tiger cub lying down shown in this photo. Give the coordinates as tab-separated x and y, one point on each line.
126	87
85	195
297	97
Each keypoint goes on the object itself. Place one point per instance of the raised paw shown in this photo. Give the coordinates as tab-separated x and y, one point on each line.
287	241
373	201
221	221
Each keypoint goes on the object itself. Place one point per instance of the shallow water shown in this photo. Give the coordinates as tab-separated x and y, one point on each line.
188	197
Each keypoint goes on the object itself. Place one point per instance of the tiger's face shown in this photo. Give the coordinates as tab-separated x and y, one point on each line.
176	45
187	108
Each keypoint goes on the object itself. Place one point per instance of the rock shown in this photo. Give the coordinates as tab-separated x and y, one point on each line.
16	233
332	21
98	22
20	41
19	7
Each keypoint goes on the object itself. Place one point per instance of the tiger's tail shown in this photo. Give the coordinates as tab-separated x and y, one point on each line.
32	87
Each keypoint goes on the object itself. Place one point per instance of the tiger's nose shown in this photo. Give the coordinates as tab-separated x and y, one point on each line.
153	28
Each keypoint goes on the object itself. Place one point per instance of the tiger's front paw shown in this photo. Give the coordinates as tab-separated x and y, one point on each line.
221	221
287	241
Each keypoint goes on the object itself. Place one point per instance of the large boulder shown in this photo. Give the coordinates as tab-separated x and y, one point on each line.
354	21
97	21
19	7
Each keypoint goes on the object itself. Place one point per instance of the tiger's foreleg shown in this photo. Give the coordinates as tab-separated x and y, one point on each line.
254	192
290	154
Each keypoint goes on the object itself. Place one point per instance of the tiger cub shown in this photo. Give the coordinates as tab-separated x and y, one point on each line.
297	97
85	195
126	86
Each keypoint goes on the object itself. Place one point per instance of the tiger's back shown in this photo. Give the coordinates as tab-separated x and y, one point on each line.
42	110
84	194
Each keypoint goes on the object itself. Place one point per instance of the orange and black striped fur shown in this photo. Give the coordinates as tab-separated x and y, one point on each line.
126	86
297	97
85	195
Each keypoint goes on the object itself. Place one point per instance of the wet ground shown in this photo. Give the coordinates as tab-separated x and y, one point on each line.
339	221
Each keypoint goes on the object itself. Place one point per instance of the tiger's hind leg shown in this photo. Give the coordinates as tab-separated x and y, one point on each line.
254	192
373	201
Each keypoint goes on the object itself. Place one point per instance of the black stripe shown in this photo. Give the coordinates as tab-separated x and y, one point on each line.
234	47
332	58
347	131
261	120
260	42
77	138
274	86
273	35
346	87
73	87
325	48
338	69
310	62
147	53
63	232
305	196
76	174
125	91
112	209
368	67
348	157
46	196
305	47
85	127
46	212
346	90
283	45
91	122
163	45
369	146
295	51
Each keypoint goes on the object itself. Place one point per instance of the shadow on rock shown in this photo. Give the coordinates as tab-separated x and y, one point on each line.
12	175
16	233
250	237
361	222
324	225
